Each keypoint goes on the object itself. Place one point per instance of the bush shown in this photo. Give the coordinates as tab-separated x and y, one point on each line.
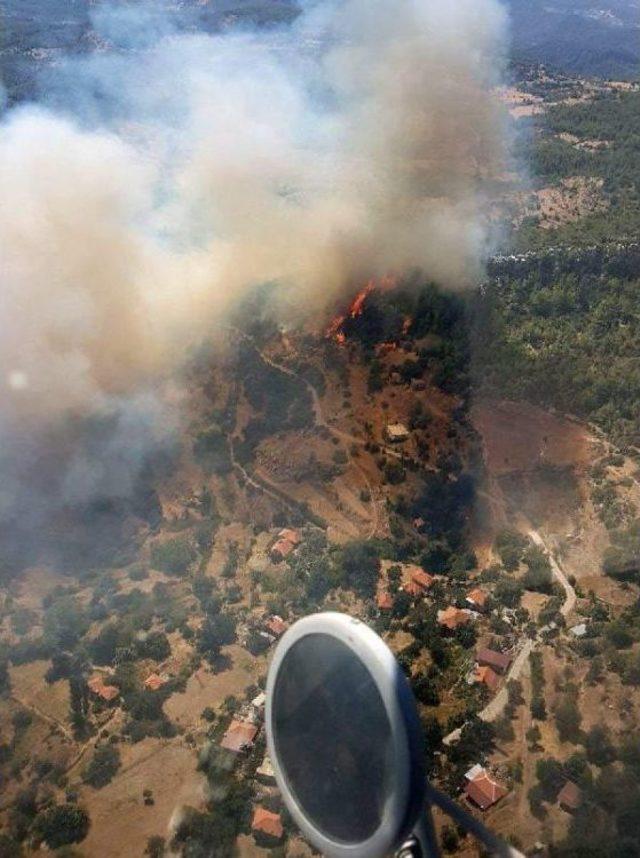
103	766
173	556
61	824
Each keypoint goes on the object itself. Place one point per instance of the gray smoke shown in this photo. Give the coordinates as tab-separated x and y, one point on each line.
168	173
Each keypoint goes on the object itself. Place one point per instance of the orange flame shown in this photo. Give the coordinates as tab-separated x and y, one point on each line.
334	330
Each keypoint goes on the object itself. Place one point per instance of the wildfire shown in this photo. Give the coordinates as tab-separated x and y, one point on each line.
334	330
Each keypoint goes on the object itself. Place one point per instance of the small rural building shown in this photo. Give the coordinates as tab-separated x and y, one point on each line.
240	736
473	772
418	384
578	631
384	601
396	433
498	661
483	791
451	618
267	826
422	578
265	773
487	677
290	535
281	549
275	626
477	598
155	681
97	686
570	797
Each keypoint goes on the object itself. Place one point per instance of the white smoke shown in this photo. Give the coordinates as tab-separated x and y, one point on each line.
182	170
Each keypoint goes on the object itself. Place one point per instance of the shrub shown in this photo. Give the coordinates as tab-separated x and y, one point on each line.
173	556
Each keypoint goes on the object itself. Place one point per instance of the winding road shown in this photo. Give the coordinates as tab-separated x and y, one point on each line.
496	706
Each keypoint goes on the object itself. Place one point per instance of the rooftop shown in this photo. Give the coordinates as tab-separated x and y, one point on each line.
276	625
499	661
484	791
155	681
477	597
266	822
239	735
487	676
384	601
453	617
570	796
283	547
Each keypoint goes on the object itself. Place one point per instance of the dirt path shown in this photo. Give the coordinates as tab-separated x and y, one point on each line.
320	422
44	717
570	594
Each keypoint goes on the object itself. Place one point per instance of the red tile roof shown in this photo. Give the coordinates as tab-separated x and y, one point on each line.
487	677
385	601
453	617
477	597
283	547
499	661
239	735
422	578
266	822
484	791
290	535
105	692
570	796
276	625
154	682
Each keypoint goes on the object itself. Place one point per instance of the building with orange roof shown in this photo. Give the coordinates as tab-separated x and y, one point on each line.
570	797
483	791
477	598
105	692
486	676
267	824
276	626
154	681
451	618
422	578
281	549
290	535
498	661
240	736
385	601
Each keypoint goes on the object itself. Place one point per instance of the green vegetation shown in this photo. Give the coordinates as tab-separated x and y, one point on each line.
103	766
174	556
563	332
61	824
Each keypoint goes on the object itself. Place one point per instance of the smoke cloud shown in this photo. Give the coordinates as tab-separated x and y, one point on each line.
169	172
178	170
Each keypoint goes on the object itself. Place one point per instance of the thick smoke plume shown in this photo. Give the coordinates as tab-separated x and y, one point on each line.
168	173
179	170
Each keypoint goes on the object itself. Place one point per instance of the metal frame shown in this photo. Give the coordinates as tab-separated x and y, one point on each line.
406	795
408	809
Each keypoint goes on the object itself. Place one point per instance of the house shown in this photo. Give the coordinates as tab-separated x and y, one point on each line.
486	676
155	681
451	618
280	549
105	692
259	701
483	791
275	626
578	631
384	601
419	523
265	773
267	825
290	535
396	433
477	598
473	772
240	736
422	578
418	384
499	661
570	797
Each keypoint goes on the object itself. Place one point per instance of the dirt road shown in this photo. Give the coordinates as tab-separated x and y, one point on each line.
497	704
